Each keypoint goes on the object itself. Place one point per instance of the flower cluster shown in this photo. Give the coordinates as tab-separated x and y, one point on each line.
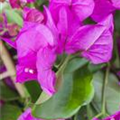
60	29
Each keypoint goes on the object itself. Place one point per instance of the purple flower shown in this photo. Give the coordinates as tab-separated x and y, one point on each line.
103	8
95	42
45	60
31	42
33	15
35	50
97	47
65	16
43	37
79	8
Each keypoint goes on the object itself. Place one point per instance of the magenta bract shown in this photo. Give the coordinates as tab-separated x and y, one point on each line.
103	8
32	15
27	116
95	42
38	37
81	9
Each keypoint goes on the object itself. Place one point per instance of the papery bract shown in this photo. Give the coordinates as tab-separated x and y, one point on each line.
32	15
81	9
95	42
27	116
103	8
67	16
29	43
64	28
116	3
45	61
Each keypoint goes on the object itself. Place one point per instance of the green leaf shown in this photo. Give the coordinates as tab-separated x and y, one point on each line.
34	90
76	91
6	93
9	112
112	92
94	68
14	17
40	2
75	64
86	113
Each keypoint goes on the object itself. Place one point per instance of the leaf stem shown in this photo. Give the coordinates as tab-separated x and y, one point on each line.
63	64
6	58
104	88
105	81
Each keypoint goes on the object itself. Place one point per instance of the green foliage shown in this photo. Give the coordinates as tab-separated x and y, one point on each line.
9	112
33	89
112	92
6	93
14	16
76	91
112	98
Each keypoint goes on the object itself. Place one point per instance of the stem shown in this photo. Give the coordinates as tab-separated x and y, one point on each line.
43	97
105	81
95	107
63	64
12	71
104	88
60	73
99	115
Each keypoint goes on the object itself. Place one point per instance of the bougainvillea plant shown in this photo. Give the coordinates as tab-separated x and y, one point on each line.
67	57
